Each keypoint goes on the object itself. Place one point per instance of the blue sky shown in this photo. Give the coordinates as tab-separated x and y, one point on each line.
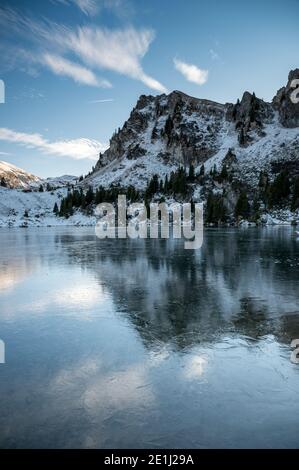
73	69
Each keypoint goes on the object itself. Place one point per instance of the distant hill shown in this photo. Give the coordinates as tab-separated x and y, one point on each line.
15	178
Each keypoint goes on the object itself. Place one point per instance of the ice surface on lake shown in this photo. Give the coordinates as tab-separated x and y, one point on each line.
140	343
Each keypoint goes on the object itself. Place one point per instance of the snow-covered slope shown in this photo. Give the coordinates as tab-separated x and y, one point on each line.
60	181
166	131
26	209
14	177
277	147
23	205
161	133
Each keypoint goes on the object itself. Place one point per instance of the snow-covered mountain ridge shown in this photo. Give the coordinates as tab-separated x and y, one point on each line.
254	141
14	177
166	131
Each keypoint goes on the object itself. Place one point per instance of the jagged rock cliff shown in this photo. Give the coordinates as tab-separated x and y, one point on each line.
176	128
167	131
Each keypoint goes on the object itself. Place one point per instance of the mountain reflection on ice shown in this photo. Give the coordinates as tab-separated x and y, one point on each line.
140	343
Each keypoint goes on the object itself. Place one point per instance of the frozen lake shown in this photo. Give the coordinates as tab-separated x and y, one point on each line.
140	343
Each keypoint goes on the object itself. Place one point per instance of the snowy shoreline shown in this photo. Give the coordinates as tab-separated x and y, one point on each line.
35	209
81	220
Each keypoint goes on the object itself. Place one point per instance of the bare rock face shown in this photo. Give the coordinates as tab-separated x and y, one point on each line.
125	142
183	130
167	131
251	113
283	103
176	127
189	128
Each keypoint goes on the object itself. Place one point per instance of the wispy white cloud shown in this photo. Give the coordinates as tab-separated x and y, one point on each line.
191	72
75	148
89	7
93	7
78	73
118	50
45	49
108	100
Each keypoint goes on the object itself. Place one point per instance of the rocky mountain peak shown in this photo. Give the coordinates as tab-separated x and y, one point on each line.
167	131
251	113
175	127
143	101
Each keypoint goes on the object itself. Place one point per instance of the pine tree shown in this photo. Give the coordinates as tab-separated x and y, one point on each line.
153	186
147	206
41	189
89	197
192	204
224	173
99	197
172	181
55	210
61	210
69	208
242	208
295	195
180	182
216	211
132	194
219	209
83	201
256	208
166	184
256	205
210	208
279	190
156	183
191	175
76	198
202	170
214	171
